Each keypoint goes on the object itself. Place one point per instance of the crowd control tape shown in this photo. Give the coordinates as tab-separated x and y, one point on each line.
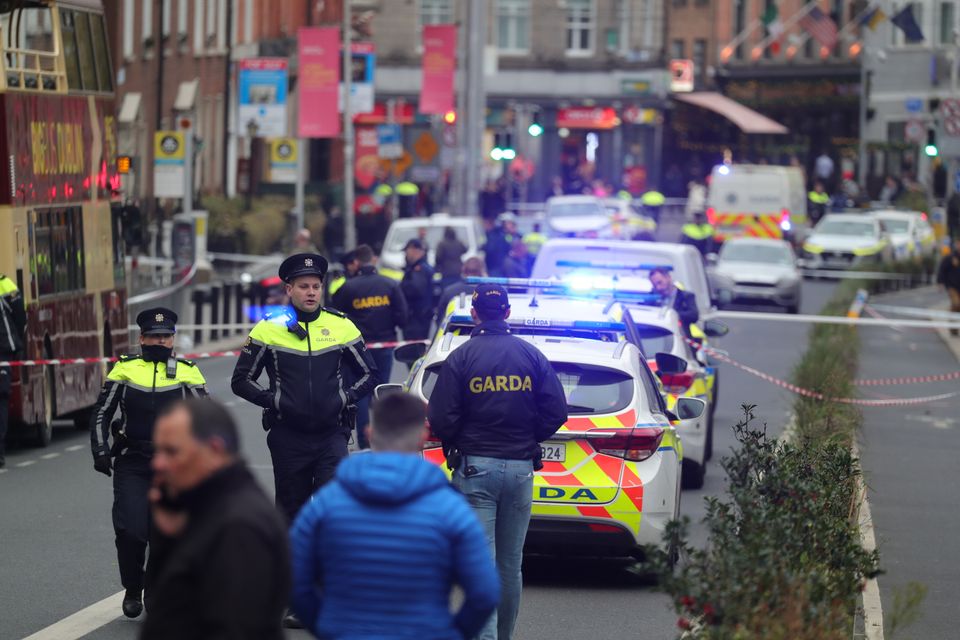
913	312
189	356
831	274
815	319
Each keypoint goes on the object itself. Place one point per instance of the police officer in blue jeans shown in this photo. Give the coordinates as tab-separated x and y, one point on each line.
496	399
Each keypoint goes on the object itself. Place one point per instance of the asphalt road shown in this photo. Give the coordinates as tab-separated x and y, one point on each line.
56	541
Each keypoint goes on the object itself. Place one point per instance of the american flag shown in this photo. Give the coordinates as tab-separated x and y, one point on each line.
821	27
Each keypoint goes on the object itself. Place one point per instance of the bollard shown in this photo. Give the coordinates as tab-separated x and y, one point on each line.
215	291
197	298
227	293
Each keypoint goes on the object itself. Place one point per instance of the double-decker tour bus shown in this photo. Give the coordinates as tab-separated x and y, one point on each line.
60	239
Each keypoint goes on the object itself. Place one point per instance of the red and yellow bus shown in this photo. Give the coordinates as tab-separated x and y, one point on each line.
60	236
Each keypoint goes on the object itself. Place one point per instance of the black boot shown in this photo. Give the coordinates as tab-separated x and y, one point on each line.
132	603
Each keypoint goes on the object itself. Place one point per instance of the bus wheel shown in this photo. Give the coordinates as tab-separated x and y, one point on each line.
44	430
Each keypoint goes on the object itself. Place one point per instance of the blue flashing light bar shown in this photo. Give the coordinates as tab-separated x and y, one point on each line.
575	286
544	323
612	266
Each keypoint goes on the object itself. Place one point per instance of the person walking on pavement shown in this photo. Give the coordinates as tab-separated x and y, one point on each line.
499	242
492	434
140	386
223	557
519	262
948	277
303	243
13	328
472	268
375	304
307	409
449	257
417	287
434	543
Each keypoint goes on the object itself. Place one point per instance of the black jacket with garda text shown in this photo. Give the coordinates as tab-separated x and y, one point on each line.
497	396
227	576
374	303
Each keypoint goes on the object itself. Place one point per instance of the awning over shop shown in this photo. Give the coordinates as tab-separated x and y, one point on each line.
748	120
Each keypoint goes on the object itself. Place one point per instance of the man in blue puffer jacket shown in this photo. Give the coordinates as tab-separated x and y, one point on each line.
377	550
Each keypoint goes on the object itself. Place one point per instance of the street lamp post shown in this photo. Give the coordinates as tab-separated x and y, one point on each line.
252	130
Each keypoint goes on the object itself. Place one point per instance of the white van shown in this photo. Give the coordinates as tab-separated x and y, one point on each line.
761	201
565	257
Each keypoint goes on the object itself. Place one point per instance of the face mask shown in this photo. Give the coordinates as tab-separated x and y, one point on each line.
156	352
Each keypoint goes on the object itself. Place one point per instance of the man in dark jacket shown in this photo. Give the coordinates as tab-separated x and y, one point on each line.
417	286
376	305
948	276
472	268
395	585
496	399
223	560
13	326
684	302
449	257
499	241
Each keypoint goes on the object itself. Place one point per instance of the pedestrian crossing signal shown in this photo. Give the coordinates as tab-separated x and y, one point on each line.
124	164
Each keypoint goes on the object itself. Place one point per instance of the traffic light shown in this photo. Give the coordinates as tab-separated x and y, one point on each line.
931	148
503	147
450	117
535	129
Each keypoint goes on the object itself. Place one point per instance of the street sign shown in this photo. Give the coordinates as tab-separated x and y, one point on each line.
426	148
681	76
398	166
363	61
262	96
914	105
636	115
169	154
283	160
915	131
389	140
950	114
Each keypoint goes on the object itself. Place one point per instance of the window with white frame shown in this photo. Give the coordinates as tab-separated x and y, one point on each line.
181	18
197	26
211	29
248	21
948	22
435	12
165	19
581	25
513	26
146	20
221	24
128	28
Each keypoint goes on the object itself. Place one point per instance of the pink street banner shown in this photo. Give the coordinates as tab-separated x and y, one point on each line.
439	67
319	82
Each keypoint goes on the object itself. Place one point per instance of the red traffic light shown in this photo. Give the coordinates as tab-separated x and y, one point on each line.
450	117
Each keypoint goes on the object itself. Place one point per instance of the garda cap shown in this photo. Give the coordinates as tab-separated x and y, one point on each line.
158	321
303	264
490	297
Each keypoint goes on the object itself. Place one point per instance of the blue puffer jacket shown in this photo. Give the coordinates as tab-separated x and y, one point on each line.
376	551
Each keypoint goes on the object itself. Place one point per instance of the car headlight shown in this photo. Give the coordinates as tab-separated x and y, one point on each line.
811	248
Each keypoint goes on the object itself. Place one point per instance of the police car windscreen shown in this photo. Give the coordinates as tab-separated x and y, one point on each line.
749	251
896	225
574	209
588	389
654	340
599	260
399	236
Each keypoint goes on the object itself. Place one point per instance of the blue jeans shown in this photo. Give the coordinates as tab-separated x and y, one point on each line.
383	358
501	494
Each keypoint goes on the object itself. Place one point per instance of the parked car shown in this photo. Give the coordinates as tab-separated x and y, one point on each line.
628	223
756	270
911	235
430	230
845	240
577	216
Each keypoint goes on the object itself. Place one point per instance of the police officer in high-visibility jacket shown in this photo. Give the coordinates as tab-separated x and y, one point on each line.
13	326
140	386
308	407
496	399
698	233
377	306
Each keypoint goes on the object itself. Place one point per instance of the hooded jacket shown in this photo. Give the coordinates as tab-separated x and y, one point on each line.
376	551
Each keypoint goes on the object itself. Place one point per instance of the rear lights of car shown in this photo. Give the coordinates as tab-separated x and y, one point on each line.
274	281
635	444
596	527
785	223
677	383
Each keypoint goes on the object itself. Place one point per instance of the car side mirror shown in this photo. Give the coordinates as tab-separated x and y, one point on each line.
669	364
715	329
690	408
409	353
383	390
712	258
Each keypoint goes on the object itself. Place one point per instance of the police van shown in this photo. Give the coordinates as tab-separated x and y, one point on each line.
761	201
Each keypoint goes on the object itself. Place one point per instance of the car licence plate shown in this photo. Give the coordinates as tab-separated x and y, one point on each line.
553	452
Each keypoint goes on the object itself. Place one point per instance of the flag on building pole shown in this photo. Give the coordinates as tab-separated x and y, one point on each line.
873	18
771	20
821	27
908	24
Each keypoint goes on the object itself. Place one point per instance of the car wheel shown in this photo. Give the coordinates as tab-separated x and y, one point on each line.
693	474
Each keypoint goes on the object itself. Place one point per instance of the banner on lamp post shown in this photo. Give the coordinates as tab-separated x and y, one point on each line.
319	85
439	68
